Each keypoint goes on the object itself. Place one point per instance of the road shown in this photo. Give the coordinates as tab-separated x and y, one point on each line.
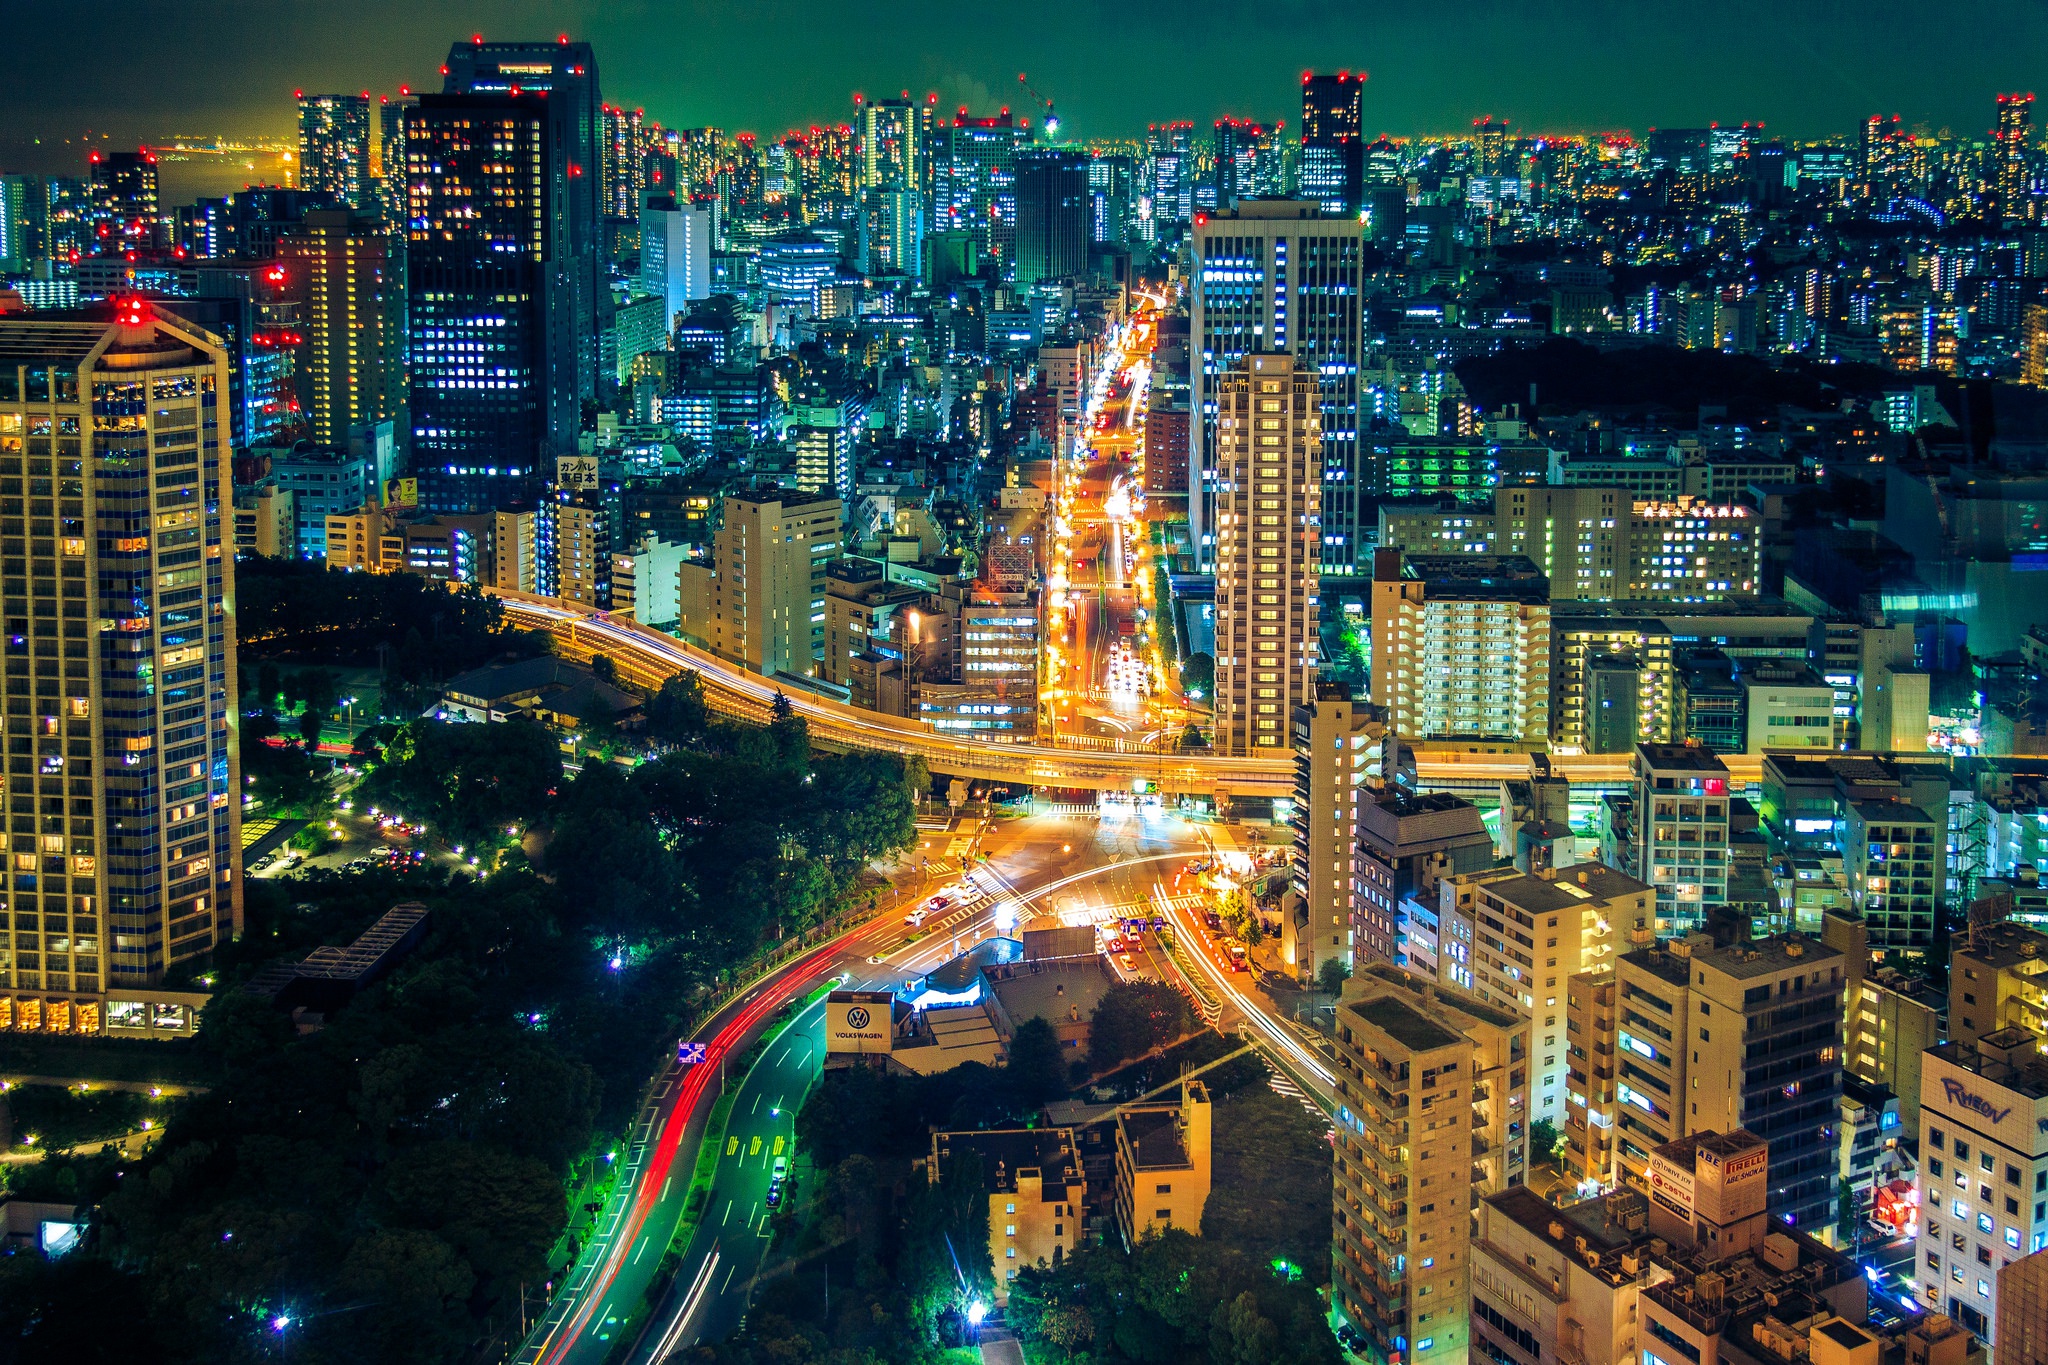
647	656
1067	866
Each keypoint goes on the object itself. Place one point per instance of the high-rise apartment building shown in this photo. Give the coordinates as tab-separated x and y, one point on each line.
1983	1172
334	148
1592	1257
1527	934
1598	544
1712	1039
1433	1099
1052	216
562	76
1998	979
1408	843
1590	1115
1331	170
1339	747
1268	504
117	588
1672	832
1461	647
1275	276
2013	152
354	355
760	599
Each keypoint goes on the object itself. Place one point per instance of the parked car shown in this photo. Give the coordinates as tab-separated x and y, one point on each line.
781	1169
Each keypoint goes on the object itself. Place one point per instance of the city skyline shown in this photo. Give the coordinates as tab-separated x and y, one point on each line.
1819	74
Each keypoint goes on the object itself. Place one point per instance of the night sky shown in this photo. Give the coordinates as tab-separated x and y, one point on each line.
1809	68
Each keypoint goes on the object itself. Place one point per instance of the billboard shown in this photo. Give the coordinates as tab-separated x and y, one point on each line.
858	1021
1671	1184
576	472
401	492
1047	945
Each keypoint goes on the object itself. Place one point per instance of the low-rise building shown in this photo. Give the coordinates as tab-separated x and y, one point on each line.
1035	1190
1163	1164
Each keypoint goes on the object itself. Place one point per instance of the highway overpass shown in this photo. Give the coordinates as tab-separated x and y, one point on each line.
647	657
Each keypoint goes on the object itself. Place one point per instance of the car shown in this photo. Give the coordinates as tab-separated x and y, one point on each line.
874	959
781	1169
938	902
774	1195
916	917
1125	962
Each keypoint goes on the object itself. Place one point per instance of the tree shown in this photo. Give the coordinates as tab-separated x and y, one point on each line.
1191	738
1132	1018
1069	1327
780	708
1544	1140
1034	1066
1332	975
470	781
309	728
604	670
677	713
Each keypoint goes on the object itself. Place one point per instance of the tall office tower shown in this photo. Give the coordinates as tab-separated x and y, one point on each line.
625	170
125	206
334	147
1235	169
1983	1111
891	146
1268	503
1878	154
1434	1095
353	363
1764	1019
1274	276
1672	832
391	161
891	238
675	254
2012	147
1052	216
1339	747
1461	647
974	182
1110	183
1331	171
123	808
491	308
755	600
22	211
563	76
1527	934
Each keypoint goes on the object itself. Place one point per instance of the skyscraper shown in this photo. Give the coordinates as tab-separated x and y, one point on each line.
123	808
974	182
125	205
391	162
1277	276
354	357
1268	499
2012	146
891	151
563	75
675	254
1332	149
334	147
492	309
1052	216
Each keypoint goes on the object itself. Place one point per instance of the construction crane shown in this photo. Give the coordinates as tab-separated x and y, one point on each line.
1052	120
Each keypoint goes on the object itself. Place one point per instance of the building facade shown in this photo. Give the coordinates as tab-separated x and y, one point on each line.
1268	506
124	796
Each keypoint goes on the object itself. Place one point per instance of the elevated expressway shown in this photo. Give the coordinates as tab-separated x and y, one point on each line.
648	657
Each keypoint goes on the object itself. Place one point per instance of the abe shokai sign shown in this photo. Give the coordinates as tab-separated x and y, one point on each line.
859	1021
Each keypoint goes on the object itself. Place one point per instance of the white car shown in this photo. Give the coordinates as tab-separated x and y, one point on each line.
916	917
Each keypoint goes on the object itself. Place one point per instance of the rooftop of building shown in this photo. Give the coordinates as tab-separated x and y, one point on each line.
2009	1057
1716	1297
1402	1022
1763	956
1155	1138
2005	945
559	685
1004	1152
1566	889
1435	995
1890	813
1608	1225
1057	992
1686	758
1723	1145
956	976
